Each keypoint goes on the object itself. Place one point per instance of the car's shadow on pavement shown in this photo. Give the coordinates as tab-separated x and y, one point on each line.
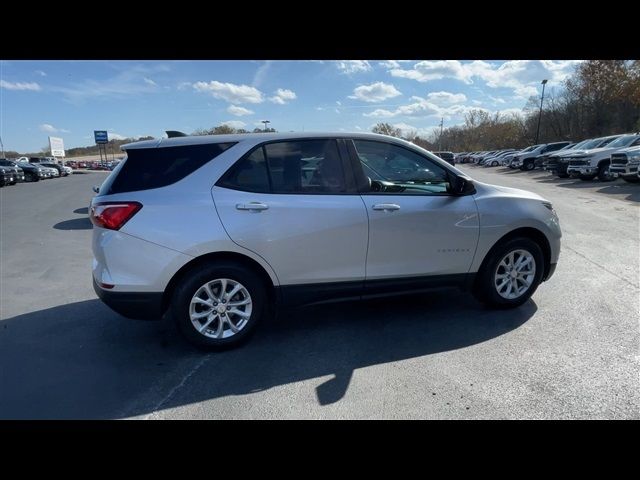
74	224
97	364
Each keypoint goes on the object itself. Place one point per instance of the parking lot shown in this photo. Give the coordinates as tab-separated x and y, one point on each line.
573	351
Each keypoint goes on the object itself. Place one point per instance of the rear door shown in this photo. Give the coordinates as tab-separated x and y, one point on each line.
294	203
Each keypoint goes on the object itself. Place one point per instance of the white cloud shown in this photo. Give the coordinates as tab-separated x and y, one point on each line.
446	98
349	67
230	92
375	92
33	86
380	113
41	73
427	70
261	73
116	136
522	76
183	85
510	112
148	81
283	96
390	64
48	128
239	111
339	103
234	123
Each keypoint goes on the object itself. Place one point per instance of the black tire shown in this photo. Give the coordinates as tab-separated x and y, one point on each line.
603	172
631	179
485	290
189	284
32	177
587	178
529	166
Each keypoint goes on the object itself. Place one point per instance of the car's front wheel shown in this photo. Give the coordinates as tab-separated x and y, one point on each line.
511	273
218	306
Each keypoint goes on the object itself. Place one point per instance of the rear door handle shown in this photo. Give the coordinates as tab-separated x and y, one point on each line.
257	206
387	207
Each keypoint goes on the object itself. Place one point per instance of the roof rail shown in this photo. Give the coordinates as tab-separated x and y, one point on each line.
175	133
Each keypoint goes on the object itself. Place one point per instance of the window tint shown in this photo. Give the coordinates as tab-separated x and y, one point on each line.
398	170
148	168
249	174
305	166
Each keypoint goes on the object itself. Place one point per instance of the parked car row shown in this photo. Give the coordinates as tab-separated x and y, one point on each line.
604	158
94	165
30	169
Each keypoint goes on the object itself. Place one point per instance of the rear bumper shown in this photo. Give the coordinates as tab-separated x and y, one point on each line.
135	305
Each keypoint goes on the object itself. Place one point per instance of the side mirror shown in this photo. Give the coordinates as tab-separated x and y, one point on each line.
96	189
461	186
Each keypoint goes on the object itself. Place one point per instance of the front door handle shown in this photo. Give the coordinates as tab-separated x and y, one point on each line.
257	206
387	207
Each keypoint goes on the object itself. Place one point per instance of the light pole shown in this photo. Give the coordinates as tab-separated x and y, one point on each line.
544	82
2	145
265	124
440	139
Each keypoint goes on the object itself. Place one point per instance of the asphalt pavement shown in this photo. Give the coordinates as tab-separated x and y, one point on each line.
573	351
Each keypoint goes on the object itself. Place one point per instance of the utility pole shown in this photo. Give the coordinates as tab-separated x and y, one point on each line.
440	139
2	145
544	82
265	124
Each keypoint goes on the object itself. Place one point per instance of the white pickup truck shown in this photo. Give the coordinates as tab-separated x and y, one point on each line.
589	164
624	164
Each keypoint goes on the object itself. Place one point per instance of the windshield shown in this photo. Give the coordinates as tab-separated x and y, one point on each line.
605	141
624	141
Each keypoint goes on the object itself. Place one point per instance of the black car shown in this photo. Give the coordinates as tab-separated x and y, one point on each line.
540	159
13	168
6	177
58	167
446	156
530	163
32	172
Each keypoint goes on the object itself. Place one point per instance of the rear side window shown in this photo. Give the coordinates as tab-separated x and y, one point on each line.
301	166
148	168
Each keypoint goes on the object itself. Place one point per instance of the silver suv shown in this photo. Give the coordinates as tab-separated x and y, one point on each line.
219	230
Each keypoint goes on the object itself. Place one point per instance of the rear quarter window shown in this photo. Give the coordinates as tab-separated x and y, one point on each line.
148	168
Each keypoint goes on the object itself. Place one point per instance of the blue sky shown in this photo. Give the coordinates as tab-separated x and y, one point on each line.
70	99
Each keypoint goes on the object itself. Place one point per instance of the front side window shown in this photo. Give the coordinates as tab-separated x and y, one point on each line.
398	170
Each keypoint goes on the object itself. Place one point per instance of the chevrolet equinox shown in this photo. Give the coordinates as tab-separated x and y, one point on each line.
218	230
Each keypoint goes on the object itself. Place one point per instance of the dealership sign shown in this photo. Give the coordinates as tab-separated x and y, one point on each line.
101	136
56	146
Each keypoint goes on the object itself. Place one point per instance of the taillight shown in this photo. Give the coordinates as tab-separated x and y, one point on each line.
113	215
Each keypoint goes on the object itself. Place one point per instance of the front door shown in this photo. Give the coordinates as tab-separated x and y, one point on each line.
416	228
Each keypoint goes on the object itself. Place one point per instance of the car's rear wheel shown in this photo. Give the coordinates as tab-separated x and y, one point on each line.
218	306
511	273
529	166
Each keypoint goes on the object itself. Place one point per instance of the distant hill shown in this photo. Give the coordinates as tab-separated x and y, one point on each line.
112	147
